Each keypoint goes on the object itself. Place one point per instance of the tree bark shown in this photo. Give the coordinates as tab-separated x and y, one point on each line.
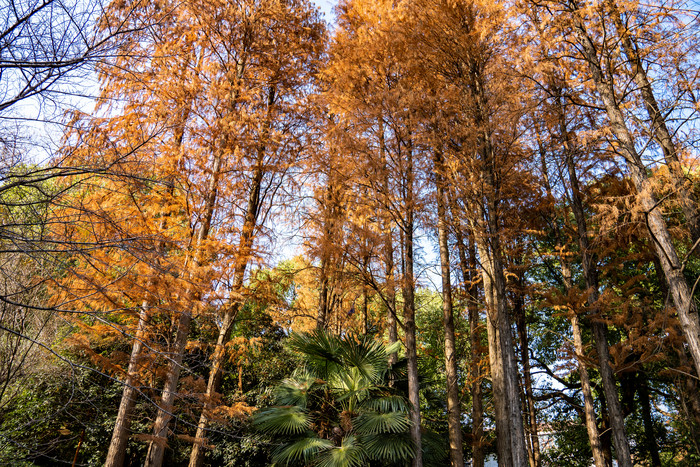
120	435
588	403
242	260
156	448
521	325
454	425
471	288
409	311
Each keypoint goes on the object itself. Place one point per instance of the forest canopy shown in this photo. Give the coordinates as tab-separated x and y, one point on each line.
429	233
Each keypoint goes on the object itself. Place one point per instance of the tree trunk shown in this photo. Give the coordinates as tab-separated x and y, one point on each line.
454	417
120	435
242	260
409	312
645	402
588	403
471	288
521	325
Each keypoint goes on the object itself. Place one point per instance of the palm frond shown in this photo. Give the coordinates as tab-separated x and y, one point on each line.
287	420
375	423
396	447
303	450
367	355
295	390
320	351
349	454
391	403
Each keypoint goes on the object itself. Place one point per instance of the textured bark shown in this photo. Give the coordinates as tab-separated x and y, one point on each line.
519	312
588	403
469	277
409	312
390	282
645	402
242	260
120	434
454	416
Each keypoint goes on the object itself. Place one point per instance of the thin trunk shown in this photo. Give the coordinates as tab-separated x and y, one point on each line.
658	229
622	448
478	448
409	313
588	403
120	435
468	267
486	230
519	312
645	402
388	244
599	331
454	416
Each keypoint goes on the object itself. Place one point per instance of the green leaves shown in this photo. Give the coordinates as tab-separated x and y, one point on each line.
288	420
337	410
349	454
375	423
303	449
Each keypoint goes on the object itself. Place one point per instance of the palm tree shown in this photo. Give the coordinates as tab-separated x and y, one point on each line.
338	408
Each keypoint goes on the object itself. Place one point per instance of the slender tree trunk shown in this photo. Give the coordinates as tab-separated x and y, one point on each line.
242	260
388	236
588	403
478	448
409	312
645	402
120	435
468	265
658	229
454	416
599	329
519	312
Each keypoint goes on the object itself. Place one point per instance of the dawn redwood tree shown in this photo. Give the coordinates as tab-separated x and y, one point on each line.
461	53
368	87
274	47
597	52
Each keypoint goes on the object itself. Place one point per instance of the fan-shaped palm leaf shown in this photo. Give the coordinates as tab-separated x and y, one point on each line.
368	356
295	390
304	449
319	350
287	420
348	454
375	423
390	403
396	447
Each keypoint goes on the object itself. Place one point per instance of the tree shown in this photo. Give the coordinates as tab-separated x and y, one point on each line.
338	408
